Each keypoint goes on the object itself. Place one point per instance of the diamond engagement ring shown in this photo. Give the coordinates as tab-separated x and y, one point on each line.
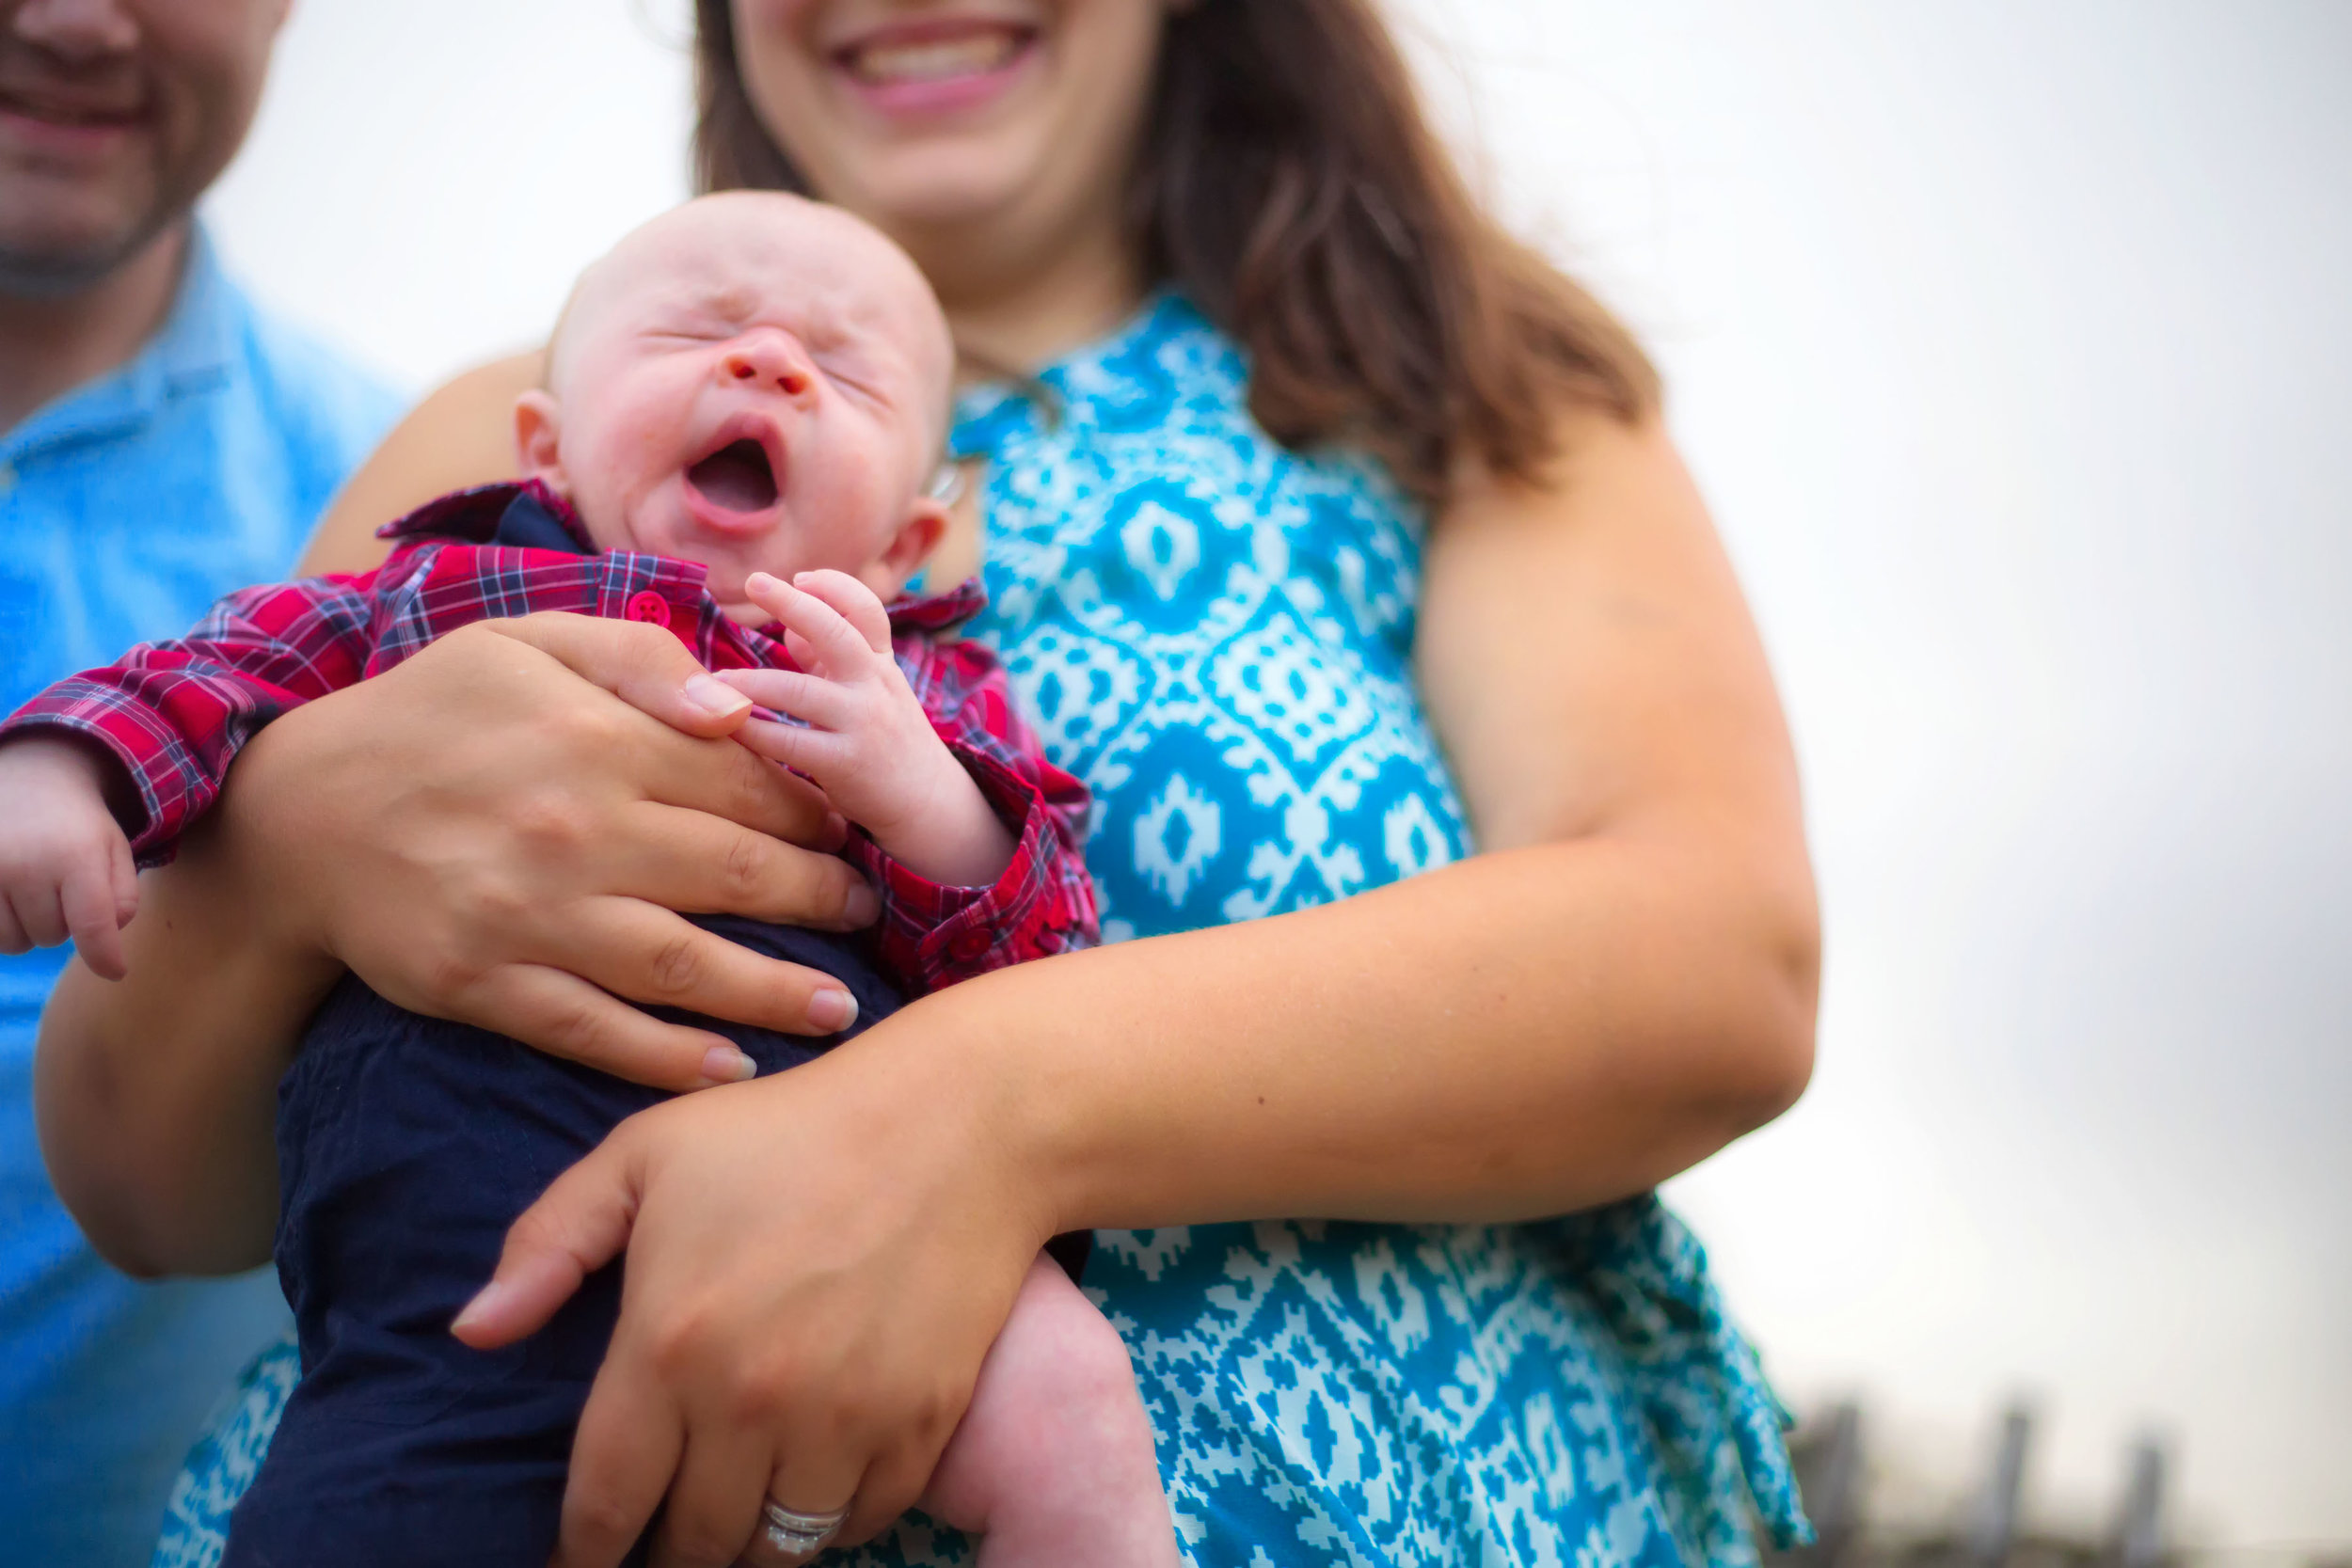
799	1535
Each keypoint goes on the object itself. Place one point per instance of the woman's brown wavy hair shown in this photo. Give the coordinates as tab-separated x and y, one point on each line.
1290	185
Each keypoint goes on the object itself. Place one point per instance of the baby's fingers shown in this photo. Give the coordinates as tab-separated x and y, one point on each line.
841	649
13	938
93	913
803	696
122	872
854	599
814	753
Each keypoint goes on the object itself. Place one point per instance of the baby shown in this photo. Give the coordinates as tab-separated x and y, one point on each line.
744	403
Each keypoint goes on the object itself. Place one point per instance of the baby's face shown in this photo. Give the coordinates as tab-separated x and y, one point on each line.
754	383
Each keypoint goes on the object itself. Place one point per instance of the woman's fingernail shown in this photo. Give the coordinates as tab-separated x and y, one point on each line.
833	1010
485	1302
863	907
715	697
724	1064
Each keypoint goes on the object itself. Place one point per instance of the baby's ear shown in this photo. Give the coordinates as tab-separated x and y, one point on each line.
538	430
903	556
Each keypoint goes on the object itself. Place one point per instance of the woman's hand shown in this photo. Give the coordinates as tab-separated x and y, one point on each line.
817	1264
495	830
515	813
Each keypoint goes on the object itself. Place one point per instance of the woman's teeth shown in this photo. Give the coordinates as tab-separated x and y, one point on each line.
934	59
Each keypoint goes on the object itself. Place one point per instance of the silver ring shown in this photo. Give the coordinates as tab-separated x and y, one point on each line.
800	1534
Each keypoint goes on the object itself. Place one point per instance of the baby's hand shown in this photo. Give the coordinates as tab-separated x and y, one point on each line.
64	867
868	743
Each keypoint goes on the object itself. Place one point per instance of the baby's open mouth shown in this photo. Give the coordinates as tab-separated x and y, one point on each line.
736	478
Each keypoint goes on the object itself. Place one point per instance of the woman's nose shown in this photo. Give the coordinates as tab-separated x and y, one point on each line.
770	360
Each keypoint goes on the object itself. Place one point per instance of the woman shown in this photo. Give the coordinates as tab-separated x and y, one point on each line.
1208	226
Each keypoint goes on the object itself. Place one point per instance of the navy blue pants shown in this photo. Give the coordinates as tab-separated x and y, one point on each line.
405	1148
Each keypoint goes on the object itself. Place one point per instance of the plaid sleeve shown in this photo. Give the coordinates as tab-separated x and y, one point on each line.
932	935
176	713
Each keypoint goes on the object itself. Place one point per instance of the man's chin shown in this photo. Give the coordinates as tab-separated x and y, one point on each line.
55	260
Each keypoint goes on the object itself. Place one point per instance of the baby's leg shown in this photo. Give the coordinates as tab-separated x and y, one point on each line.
1053	1465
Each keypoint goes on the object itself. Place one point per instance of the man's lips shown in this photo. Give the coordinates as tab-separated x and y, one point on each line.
44	125
53	106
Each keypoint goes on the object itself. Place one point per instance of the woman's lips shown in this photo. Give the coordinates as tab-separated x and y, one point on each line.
933	67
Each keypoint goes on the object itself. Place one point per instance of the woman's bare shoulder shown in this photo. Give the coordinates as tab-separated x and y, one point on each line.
1587	655
462	434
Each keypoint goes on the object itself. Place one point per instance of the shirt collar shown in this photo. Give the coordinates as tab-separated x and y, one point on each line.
194	351
526	514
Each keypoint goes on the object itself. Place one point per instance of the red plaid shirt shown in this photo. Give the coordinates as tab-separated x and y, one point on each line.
176	713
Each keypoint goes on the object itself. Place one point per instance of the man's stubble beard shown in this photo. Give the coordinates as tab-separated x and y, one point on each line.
40	276
63	270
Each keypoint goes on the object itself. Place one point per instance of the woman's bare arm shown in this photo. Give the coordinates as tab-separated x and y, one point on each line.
462	434
1622	984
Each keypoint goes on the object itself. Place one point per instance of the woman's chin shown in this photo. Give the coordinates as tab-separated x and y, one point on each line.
947	183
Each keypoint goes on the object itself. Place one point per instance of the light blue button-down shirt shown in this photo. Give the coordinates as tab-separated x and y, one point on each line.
126	507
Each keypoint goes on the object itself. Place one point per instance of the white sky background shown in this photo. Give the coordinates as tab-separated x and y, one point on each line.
2013	346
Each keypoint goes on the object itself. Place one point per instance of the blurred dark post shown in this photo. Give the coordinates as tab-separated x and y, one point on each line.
1993	1530
2139	1528
1826	1451
1835	1497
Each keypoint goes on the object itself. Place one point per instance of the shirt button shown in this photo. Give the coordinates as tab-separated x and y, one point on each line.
650	606
968	945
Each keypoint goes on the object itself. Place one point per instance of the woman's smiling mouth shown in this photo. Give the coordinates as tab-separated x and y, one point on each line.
893	59
933	67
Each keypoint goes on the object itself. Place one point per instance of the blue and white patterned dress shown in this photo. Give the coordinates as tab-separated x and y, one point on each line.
1215	634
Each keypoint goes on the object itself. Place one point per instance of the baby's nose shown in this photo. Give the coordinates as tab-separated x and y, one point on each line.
770	361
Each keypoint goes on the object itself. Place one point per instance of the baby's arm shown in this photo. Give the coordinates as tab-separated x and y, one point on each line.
868	744
65	865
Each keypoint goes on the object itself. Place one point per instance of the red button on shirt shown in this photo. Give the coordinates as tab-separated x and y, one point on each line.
647	606
968	945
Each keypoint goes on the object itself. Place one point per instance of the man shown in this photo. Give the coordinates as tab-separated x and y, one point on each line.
160	443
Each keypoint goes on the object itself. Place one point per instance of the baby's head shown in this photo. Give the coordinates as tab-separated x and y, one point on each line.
753	382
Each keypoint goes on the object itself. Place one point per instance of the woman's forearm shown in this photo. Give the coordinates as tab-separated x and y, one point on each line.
1523	1034
157	1094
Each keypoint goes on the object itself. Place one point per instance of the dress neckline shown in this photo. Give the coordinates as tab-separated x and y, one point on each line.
1076	377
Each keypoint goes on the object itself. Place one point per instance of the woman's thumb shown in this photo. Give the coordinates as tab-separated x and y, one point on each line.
580	1224
646	668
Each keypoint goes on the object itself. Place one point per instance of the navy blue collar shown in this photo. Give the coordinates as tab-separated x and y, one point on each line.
529	523
520	514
